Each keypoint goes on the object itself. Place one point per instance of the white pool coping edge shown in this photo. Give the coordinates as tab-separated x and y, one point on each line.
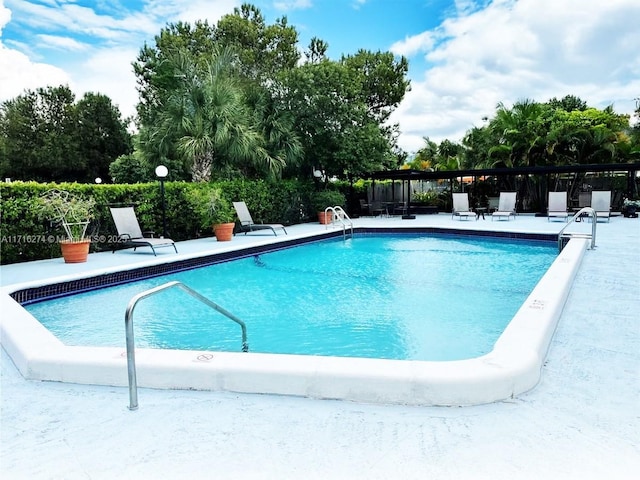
510	369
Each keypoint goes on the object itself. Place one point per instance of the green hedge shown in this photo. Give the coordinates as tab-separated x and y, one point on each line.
26	237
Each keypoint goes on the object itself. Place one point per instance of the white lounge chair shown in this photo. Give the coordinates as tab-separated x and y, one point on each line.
130	234
601	203
557	207
461	207
506	206
248	225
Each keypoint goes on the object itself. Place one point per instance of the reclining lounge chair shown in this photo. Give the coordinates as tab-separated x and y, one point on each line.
506	206
601	203
461	207
247	224
130	234
557	207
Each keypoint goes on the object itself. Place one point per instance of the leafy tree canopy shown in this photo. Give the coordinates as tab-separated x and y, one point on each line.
47	136
558	132
287	117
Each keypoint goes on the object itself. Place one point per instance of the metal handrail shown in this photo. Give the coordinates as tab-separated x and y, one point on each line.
578	214
340	214
128	321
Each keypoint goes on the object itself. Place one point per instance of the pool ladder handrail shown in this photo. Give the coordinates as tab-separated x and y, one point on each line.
128	320
592	236
340	214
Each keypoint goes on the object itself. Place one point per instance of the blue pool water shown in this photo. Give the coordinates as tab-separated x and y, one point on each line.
392	296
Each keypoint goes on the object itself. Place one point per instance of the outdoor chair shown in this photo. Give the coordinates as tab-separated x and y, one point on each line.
506	206
130	235
376	208
401	208
584	199
601	203
248	225
365	208
493	204
461	207
557	207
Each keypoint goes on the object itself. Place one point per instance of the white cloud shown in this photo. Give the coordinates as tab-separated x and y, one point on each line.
18	73
5	16
108	71
190	11
104	67
288	5
410	46
516	49
61	43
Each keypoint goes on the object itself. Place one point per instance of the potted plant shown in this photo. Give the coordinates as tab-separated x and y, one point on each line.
326	198
73	213
213	210
630	207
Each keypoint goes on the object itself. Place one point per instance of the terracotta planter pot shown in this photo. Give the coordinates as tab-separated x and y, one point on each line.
224	231
325	217
75	252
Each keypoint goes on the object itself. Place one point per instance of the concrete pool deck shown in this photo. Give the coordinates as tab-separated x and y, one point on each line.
581	421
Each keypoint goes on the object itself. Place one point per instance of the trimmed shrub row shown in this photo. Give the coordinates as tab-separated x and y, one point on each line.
26	236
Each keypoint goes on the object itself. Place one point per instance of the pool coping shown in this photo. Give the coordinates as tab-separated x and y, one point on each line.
511	368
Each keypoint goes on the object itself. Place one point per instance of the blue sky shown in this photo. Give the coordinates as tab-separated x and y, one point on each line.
465	56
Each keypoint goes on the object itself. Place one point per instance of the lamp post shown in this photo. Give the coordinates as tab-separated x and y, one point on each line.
317	175
161	173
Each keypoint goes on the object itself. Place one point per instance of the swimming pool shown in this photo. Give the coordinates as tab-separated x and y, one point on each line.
403	297
512	367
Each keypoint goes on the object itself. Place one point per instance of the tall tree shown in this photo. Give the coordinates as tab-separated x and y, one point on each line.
317	50
264	50
208	116
48	137
260	50
568	103
585	136
520	130
277	127
382	81
426	157
102	134
154	75
337	102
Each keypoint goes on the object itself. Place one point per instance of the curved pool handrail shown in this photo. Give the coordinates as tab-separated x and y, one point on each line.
576	218
338	213
128	321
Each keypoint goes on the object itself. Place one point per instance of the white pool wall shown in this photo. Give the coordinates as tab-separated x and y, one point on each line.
511	368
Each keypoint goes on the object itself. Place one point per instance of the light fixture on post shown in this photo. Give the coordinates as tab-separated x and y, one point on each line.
317	176
161	173
98	180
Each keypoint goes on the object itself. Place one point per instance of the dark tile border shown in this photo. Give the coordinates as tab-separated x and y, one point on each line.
47	292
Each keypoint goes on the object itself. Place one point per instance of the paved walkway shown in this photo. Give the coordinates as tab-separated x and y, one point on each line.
580	422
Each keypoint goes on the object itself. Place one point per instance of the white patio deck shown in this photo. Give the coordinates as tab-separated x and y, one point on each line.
580	422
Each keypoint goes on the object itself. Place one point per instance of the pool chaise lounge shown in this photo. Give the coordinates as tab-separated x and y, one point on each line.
248	225
130	234
461	206
557	206
601	203
506	206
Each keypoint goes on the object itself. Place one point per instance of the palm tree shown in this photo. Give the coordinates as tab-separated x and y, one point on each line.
519	129
277	129
208	116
